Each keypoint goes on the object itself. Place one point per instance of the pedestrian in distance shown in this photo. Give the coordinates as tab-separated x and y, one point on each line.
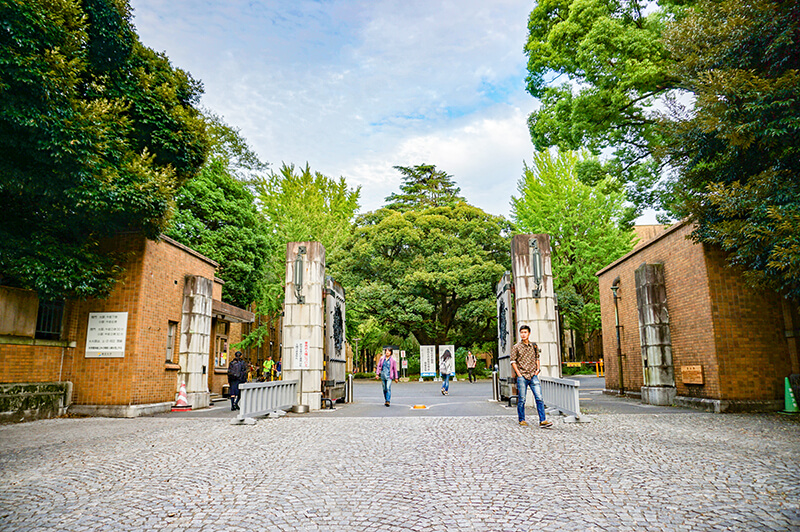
386	371
269	365
525	363
446	369
237	373
471	363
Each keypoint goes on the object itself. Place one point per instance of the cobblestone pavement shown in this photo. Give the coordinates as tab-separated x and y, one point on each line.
660	471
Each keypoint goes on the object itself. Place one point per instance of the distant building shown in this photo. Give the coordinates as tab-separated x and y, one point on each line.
691	330
163	324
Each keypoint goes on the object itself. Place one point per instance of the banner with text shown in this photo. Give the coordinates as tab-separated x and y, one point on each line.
427	361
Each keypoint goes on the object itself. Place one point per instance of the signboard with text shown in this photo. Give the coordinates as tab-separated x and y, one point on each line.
301	358
427	361
105	334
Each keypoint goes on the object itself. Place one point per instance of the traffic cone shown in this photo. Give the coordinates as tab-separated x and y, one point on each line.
182	403
790	404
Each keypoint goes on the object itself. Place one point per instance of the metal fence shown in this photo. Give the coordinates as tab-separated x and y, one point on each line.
261	398
561	394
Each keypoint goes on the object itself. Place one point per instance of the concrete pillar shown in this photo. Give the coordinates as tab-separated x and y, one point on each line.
535	297
195	339
303	319
654	336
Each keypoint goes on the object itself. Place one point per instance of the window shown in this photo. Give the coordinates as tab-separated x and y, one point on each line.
48	320
172	328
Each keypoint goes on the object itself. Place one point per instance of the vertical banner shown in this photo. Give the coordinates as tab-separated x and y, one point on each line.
301	358
447	359
427	361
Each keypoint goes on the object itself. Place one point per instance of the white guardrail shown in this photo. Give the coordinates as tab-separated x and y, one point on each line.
562	394
262	398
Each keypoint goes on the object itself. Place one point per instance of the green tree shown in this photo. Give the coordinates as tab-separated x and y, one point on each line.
424	186
583	222
612	67
216	215
737	150
427	272
96	131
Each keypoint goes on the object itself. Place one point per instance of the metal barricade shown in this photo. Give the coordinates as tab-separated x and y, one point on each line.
562	394
262	398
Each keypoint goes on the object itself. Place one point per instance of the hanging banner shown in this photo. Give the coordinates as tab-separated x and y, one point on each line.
427	361
301	358
447	359
105	334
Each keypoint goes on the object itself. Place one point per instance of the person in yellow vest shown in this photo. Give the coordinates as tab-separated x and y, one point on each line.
269	366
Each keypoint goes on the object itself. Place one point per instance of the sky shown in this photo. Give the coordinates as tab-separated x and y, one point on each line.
356	87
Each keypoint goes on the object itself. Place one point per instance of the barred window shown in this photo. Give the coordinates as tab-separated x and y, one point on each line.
48	320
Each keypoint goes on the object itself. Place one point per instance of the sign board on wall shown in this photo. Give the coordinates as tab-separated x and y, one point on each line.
427	361
105	334
301	358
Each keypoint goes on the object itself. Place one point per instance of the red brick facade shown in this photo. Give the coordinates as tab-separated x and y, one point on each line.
735	332
151	292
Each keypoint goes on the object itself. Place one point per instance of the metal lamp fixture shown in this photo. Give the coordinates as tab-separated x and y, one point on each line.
536	266
298	275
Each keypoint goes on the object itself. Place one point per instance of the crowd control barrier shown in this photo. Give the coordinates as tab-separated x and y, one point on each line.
261	398
562	394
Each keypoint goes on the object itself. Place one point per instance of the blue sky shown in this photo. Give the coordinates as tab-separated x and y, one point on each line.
355	87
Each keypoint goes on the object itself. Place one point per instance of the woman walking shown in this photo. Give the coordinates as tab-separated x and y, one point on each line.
446	370
387	372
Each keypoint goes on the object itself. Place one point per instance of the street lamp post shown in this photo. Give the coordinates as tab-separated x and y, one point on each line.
614	289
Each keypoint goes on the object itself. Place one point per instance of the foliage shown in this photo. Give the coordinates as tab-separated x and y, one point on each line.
738	149
583	222
228	144
298	207
614	68
216	216
424	186
97	132
427	272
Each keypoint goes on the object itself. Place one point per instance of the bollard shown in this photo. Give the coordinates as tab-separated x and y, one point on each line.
495	387
348	390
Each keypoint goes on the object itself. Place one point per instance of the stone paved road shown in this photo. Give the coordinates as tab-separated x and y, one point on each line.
657	470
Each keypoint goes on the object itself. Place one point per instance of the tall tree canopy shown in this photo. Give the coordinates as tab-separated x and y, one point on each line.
96	131
598	66
300	205
429	272
737	148
583	222
424	186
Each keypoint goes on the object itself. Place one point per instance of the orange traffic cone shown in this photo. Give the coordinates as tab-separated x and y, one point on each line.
183	401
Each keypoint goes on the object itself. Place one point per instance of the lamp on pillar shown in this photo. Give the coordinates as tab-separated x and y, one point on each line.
615	289
536	267
298	275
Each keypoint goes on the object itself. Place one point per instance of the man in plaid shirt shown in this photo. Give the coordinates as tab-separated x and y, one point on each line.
525	363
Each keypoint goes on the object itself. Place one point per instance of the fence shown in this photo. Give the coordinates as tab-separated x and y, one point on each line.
562	394
261	398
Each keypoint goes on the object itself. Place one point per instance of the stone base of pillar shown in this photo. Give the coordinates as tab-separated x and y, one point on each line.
313	400
658	395
199	399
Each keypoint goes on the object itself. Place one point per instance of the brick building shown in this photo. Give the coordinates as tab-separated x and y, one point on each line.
691	331
165	314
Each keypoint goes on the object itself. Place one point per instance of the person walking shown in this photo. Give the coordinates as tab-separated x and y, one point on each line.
268	366
237	373
471	363
386	371
525	363
446	370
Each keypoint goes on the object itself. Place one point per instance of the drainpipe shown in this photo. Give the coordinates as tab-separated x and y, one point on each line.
614	289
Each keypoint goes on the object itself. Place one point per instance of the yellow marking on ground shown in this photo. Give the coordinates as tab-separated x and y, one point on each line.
419	407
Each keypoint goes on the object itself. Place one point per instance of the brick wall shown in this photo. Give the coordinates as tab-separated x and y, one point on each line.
716	320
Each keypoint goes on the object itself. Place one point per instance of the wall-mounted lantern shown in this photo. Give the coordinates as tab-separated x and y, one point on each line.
536	267
298	275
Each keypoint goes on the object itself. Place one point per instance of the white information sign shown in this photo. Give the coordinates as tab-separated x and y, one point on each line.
301	358
447	359
105	334
427	361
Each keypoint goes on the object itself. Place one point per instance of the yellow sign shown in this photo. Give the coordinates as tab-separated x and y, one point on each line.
692	374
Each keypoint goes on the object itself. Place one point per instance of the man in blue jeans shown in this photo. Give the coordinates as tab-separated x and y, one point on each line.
525	363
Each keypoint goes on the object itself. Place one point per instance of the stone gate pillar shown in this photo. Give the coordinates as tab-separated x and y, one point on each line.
535	297
195	339
303	320
654	336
